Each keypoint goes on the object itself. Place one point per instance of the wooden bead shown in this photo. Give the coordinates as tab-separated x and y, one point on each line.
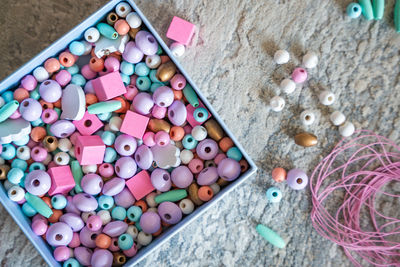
279	174
205	193
103	241
21	94
225	144
221	182
156	125
214	130
38	134
55	216
112	18
305	139
142	204
133	31
166	71
193	193
50	143
119	259
244	165
4	171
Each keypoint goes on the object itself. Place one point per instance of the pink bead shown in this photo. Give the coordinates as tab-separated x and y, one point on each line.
106	170
140	185
89	124
134	124
180	30
178	82
188	129
94	223
131	92
49	116
62	180
89	88
158	112
299	75
63	77
75	242
38	154
131	252
22	201
219	157
39	226
109	86
111	64
89	150
87	72
31	144
190	109
148	139
114	244
162	138
52	164
15	115
133	79
73	137
29	82
196	165
61	253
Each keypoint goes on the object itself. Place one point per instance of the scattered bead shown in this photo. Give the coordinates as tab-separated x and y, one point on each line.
281	57
277	103
327	98
347	129
177	49
305	139
288	86
297	179
279	175
307	117
310	60
299	75
337	118
274	195
353	10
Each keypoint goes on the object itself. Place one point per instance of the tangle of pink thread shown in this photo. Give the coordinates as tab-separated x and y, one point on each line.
356	171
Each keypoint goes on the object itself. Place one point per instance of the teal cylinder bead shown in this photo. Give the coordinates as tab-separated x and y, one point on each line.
367	10
104	116
127	68
141	69
110	155
143	83
8	152
71	262
107	31
103	107
125	241
354	10
38	122
8	109
77	48
191	95
77	173
38	204
28	210
20	164
37	166
118	213
8	96
22	141
58	201
15	175
108	138
105	202
200	114
378	8
189	142
78	79
397	16
125	79
134	213
74	69
35	94
234	153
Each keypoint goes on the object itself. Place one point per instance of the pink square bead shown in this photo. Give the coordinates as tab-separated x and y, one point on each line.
140	185
109	86
134	124
89	150
180	30
88	125
62	180
190	109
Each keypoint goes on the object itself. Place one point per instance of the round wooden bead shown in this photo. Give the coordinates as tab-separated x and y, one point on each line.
132	231
105	216
279	174
337	118
144	239
24	152
112	17
16	193
281	57
288	86
307	117
199	133
50	143
326	98
205	193
177	49
133	20
186	206
92	35
103	241
193	193
310	60
153	61
347	129
123	9
215	188
297	179
89	168
61	158
41	74
299	75
277	103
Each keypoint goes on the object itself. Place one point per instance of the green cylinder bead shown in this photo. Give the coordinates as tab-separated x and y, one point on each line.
270	236
191	95
172	196
8	109
379	8
107	31
103	107
77	174
38	204
367	9
397	15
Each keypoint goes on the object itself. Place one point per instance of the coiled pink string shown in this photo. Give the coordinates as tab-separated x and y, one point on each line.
352	178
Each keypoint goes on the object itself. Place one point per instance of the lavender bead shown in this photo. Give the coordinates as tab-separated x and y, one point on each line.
50	91
83	255
89	89
30	109
88	238
37	182
144	157
150	222
142	103
85	202
297	179
73	220
177	113
146	42
59	234
161	180
62	128
92	184
163	96
113	187
124	198
29	82
125	167
115	228
101	258
132	54
170	212
208	176
207	149
182	177
71	207
229	169
125	145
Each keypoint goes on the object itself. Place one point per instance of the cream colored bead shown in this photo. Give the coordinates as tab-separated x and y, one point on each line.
2	102
86	215
48	159
307	117
153	61
152	209
92	35
24	153
288	86
327	98
105	216
71	152
7	185
178	144
337	118
133	20
115	123
123	9
347	129
41	74
186	156
281	57
64	144
215	188
16	193
177	49
310	60
89	168
186	206
150	200
132	231
199	133
277	103
61	158
144	239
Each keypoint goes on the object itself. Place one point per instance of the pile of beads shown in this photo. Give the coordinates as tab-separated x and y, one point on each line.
105	157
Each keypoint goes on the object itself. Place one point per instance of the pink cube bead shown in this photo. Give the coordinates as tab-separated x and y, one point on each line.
109	86
134	124
299	75
180	30
89	150
62	180
140	185
190	109
89	124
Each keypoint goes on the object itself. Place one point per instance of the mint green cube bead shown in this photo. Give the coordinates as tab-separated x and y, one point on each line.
37	166
125	241
71	262
35	94
108	138
200	114
107	31
189	142
105	106
234	153
74	69
77	48
77	173
38	204
126	79
38	122
110	155
78	79
20	164
118	213
155	86
104	116
141	69
58	201
191	95
127	68
270	236
28	210
8	96
143	83
15	175
8	152
134	213
22	141
8	109
105	202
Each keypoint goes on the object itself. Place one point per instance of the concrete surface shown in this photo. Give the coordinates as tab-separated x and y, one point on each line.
231	61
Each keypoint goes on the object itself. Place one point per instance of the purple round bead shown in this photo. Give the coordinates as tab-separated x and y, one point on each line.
85	202
73	220
229	169
92	183
71	207
163	96
124	198
146	42
59	234
144	157
161	180
83	255
150	222
62	128
37	182
29	82
125	145
170	212
125	167
101	258
30	109
142	103
115	228
297	179
208	176
207	149
63	77
182	177
88	237
50	91
132	53
177	113
113	186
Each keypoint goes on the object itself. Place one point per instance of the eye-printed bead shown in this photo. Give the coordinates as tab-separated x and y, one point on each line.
337	118
297	179
327	98
16	193
277	103
307	117
281	57
347	129
274	195
288	86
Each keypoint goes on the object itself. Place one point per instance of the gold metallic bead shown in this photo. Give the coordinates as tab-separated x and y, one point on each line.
214	130
112	18
166	71
119	259
50	143
305	139
133	31
4	171
193	193
221	182
156	125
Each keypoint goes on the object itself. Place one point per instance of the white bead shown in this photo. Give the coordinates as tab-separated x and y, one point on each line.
88	48
347	129
7	185
71	152
186	206
337	118
199	133
288	86
92	35
41	74
2	102
150	200
24	152
123	9
105	216
307	117
277	103
115	123
132	231
327	98
186	156
281	57
177	49
16	193
89	168
153	61
64	144
215	188
144	239
310	60
133	20
48	159
86	215
61	158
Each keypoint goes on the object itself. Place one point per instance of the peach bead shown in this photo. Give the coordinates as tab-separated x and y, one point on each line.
164	59
38	134
142	204
47	200
91	99
57	104
177	94
177	133
122	27
52	65
46	105
21	94
56	216
103	241
279	174
96	64
67	59
124	105
205	193
225	144
117	55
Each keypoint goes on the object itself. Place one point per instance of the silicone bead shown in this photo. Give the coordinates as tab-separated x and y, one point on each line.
191	95
297	179
299	75
277	103
150	222
107	31
92	184
37	182
16	193
367	9
8	109
270	236
229	169
161	180
146	42
58	202
38	204
105	202
307	117
50	91
173	196
281	57
288	86
170	212
347	129
353	10
327	98
274	195
310	60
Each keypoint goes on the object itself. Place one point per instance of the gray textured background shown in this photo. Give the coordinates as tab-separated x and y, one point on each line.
231	61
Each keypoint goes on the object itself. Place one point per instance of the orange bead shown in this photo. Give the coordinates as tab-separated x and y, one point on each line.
96	64
176	133
46	105
56	216
21	94
122	27
103	241
279	174
225	143
57	104
47	200
158	232
142	204
124	105
91	99
244	165
67	59
38	134
205	193
52	65
164	59
177	94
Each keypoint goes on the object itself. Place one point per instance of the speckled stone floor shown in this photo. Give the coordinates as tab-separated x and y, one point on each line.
231	61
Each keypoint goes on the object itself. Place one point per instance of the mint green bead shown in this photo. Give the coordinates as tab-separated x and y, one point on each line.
20	164
77	173
22	182
38	204
126	79
77	48
354	10
125	241
37	166
155	86
191	95
110	155
74	69
105	202
8	109
189	142
172	196
28	210
71	262
153	77
138	227
141	69
143	83
35	94
378	8
58	201
200	114
8	96
159	51
107	31
9	151
48	130
22	141
134	213
118	213
367	9
15	175
234	153
102	107
108	138
58	111
38	122
78	79
397	16
104	116
127	68
270	236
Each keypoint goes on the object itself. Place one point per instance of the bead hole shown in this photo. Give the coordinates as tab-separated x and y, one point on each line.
117	169
13	192
59	159
308	117
167	216
299	181
209	192
171	113
93	236
207	149
180	85
330	98
113	17
50	140
127	147
190	140
162	104
88	123
274	194
183	205
26	103
123	238
150	39
355	9
79	150
46	83
137	158
166	177
59	237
